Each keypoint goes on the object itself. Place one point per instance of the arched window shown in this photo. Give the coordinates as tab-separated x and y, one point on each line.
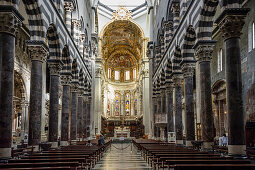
127	100
127	75
117	75
134	73
117	104
109	73
219	60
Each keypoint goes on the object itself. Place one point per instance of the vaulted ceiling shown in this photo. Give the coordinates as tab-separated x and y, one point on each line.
122	38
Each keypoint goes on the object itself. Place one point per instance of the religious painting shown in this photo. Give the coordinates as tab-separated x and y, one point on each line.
120	61
117	104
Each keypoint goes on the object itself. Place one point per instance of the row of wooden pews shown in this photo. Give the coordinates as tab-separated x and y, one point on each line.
68	157
170	156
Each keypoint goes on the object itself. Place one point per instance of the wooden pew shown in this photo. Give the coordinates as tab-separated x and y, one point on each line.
73	165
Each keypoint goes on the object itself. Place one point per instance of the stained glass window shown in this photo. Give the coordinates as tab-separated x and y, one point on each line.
127	103
117	104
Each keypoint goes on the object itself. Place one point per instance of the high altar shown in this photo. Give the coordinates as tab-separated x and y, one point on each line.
122	132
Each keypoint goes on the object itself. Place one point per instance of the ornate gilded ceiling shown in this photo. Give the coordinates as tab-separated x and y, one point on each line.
122	37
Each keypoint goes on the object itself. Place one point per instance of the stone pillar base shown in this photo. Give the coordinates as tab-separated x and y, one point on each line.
54	144
63	143
188	143
236	149
179	142
5	153
207	145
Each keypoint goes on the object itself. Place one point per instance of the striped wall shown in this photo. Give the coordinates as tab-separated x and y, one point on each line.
192	24
41	15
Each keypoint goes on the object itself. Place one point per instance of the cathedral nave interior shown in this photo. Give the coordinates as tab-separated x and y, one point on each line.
131	80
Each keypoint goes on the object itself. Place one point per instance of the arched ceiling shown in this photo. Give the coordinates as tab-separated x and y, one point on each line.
122	38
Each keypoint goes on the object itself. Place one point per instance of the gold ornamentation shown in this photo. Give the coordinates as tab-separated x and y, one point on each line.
122	14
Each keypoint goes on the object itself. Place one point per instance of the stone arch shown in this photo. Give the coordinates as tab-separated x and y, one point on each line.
19	85
37	28
169	15
75	73
53	43
219	106
66	59
176	60
189	42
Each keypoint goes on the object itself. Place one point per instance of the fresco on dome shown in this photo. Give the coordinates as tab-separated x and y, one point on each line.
123	61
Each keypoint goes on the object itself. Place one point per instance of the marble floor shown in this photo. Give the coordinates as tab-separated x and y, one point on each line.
122	157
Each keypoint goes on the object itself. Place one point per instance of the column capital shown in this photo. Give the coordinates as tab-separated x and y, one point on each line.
10	20
204	50
55	68
68	6
66	79
75	87
175	7
188	69
177	80
168	24
231	22
169	88
82	37
38	50
80	92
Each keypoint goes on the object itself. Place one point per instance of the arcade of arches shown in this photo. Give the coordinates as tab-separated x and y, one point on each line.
170	70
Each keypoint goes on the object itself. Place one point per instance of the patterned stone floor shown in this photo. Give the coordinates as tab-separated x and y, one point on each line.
126	159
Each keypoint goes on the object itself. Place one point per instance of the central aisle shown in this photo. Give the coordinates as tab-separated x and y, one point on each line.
117	159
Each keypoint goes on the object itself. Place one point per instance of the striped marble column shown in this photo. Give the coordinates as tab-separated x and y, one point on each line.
68	15
176	14
168	34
